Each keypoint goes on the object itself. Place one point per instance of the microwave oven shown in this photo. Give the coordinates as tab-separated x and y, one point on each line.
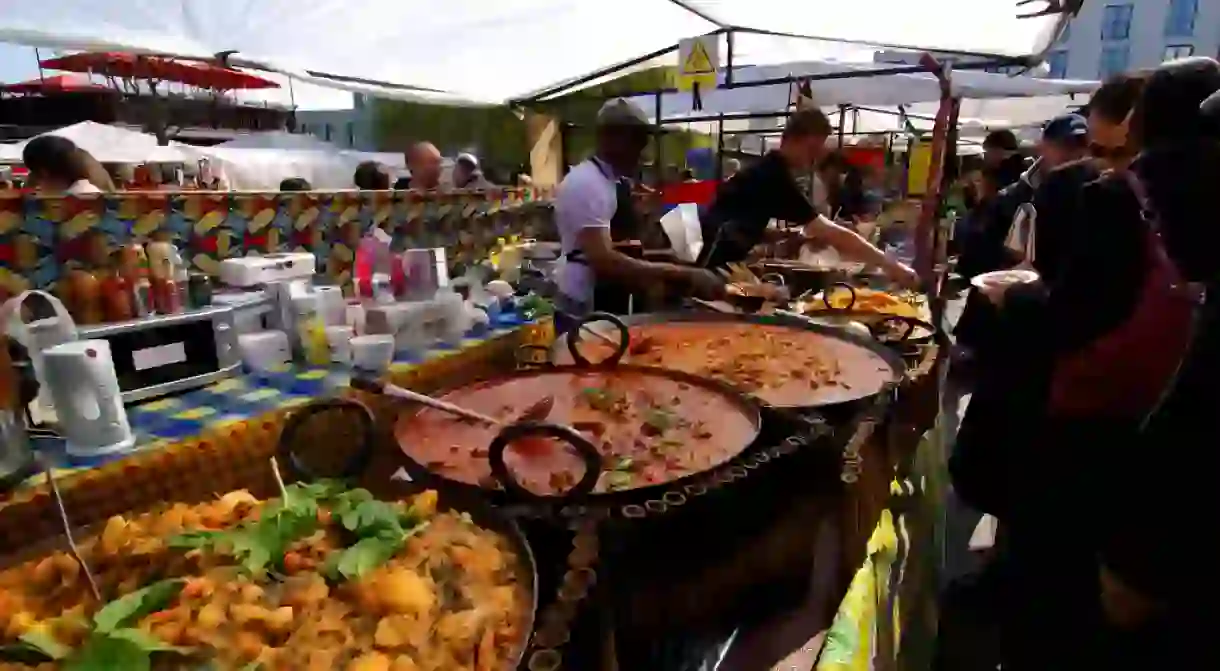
163	354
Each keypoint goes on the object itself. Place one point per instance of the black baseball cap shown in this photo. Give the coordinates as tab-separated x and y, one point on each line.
1004	140
1065	128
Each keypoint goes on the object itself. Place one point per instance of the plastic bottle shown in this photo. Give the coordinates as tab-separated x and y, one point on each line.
117	299
312	332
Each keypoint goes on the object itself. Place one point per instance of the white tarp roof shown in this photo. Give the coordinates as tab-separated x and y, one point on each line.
495	51
109	144
873	91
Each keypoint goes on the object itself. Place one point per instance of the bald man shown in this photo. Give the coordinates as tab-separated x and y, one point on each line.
424	161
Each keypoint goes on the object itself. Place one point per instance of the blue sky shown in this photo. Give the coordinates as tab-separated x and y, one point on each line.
17	63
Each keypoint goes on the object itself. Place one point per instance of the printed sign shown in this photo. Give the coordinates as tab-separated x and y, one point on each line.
698	61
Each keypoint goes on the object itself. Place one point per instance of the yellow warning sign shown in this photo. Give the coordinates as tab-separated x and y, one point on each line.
698	61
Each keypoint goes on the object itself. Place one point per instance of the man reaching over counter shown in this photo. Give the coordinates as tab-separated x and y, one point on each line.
595	215
738	218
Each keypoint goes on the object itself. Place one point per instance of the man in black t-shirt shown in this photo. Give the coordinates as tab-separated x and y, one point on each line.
738	218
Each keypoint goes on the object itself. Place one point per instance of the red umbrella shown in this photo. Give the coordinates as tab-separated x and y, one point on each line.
133	66
56	84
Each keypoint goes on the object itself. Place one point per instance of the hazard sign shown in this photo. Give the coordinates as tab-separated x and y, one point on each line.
698	61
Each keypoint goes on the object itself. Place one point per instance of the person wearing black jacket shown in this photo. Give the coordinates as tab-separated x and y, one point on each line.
1064	169
1162	474
1103	512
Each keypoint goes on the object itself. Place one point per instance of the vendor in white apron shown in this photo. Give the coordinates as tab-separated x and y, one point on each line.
594	215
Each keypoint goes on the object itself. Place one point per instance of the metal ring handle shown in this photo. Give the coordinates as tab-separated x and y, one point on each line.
877	328
585	449
574	336
830	289
778	279
365	439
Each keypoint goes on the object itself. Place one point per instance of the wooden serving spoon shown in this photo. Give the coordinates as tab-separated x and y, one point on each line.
535	413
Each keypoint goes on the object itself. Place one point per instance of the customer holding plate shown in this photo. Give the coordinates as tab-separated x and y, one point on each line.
744	206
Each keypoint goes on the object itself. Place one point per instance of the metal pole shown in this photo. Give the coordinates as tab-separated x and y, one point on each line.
842	123
728	59
656	168
38	59
720	149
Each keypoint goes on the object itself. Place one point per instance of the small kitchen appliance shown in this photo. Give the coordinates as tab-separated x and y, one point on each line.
84	386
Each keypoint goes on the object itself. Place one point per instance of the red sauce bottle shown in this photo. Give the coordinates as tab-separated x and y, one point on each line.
117	298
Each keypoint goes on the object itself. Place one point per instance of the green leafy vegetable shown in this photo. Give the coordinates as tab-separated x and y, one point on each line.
127	609
35	647
46	644
381	530
256	545
600	399
109	653
660	419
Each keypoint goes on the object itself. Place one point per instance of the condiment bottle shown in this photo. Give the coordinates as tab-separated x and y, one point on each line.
130	260
118	302
164	289
82	296
311	331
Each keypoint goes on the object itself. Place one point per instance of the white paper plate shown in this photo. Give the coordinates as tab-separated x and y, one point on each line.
1004	277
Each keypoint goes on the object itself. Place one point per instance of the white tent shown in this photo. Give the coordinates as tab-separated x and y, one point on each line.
496	51
883	90
110	144
286	141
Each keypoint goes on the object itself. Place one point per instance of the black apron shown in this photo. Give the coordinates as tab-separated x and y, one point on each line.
609	295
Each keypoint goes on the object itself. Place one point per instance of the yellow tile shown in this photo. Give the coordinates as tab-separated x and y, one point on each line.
196	413
225	386
160	406
294	401
314	374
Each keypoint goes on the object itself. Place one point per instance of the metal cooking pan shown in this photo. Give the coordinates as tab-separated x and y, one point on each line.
567	349
517	499
366	438
897	331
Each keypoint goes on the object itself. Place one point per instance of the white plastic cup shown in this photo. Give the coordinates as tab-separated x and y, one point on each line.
339	340
372	353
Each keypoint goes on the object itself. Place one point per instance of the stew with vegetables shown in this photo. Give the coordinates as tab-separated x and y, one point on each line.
648	427
786	367
323	579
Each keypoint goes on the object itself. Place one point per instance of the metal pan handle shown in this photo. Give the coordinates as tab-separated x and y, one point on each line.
879	328
830	290
588	453
774	278
576	333
365	438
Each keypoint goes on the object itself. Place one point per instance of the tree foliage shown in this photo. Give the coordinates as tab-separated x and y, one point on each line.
499	133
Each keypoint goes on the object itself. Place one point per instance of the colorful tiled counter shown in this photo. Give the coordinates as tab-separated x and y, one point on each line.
41	237
227	431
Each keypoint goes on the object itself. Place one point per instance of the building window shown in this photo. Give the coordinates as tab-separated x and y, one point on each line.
1057	61
1176	51
1180	19
1116	22
1114	60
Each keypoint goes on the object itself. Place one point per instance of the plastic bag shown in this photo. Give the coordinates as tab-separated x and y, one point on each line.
681	225
49	328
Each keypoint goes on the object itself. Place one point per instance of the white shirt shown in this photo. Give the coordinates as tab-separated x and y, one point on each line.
586	198
81	187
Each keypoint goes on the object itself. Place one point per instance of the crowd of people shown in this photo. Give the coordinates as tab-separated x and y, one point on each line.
56	165
1089	432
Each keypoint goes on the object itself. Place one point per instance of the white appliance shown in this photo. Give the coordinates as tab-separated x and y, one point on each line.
287	280
85	389
249	271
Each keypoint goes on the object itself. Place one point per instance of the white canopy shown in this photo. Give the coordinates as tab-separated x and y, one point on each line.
496	51
109	144
872	91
